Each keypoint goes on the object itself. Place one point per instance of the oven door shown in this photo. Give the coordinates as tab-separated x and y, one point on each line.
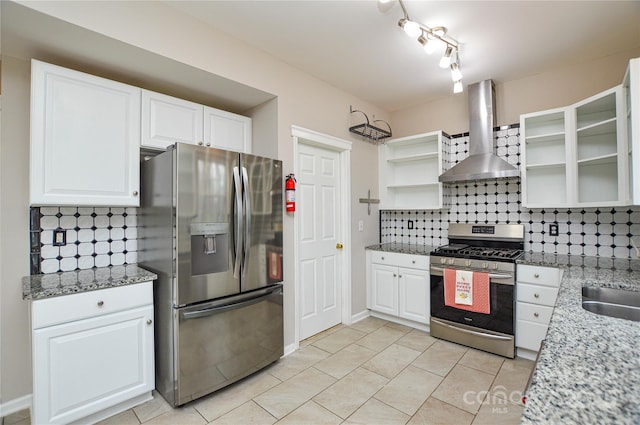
502	302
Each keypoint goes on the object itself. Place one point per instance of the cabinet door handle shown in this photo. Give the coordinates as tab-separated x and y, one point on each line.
394	275
382	258
208	144
536	295
400	276
535	314
135	193
149	321
536	275
200	143
100	303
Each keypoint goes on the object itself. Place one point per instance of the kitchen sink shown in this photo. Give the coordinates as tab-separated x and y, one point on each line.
620	303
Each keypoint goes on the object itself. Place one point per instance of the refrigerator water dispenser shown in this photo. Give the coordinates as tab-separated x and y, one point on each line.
209	248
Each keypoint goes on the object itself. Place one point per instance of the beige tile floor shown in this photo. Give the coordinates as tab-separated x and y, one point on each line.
372	372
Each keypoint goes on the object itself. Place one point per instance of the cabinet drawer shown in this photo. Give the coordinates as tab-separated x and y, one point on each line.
536	294
534	313
548	276
529	335
67	308
400	260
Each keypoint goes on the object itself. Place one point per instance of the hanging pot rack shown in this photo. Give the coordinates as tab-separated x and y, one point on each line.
369	131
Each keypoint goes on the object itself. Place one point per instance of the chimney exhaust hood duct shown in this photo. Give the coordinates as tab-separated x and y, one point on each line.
482	163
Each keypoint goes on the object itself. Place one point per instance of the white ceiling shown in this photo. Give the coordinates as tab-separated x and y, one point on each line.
352	45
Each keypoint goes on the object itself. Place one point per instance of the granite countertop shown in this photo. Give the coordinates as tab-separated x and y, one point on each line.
402	248
589	368
42	286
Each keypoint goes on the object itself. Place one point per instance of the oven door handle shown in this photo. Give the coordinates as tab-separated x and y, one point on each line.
491	275
482	334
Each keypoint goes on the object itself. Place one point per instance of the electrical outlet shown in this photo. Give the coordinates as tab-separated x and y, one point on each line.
553	229
361	226
59	237
409	224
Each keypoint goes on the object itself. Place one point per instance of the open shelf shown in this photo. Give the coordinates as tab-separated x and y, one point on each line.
603	159
545	125
397	160
409	171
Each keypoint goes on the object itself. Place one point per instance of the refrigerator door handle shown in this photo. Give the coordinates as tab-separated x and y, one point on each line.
237	229
247	228
232	305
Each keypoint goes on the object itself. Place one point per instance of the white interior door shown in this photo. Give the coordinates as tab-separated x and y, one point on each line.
318	204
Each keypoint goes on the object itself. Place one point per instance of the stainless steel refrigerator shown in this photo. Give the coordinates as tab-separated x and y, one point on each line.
210	227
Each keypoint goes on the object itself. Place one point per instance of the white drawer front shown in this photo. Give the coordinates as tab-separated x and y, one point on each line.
67	308
536	294
529	335
534	313
548	276
400	260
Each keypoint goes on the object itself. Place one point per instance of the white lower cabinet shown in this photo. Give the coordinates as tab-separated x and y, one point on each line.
398	285
537	290
92	354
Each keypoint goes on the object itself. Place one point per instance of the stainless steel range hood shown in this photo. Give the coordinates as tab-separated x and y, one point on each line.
482	162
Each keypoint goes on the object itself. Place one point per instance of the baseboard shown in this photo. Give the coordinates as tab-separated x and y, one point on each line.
15	405
288	349
526	354
360	316
401	321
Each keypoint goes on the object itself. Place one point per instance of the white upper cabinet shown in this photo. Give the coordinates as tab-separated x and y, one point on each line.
225	130
85	139
409	171
576	156
167	120
631	86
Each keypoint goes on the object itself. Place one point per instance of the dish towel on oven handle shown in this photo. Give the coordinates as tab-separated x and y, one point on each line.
480	301
464	287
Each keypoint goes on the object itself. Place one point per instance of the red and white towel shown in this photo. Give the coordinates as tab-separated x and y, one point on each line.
467	290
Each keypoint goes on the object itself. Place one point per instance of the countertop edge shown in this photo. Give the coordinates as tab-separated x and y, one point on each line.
42	286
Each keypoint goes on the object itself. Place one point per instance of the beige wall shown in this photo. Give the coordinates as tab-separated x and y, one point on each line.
552	89
302	100
14	227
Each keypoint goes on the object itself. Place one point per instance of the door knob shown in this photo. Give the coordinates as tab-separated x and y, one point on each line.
338	246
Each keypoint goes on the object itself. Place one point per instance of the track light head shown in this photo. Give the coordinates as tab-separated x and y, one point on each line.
427	43
411	28
456	74
457	87
446	58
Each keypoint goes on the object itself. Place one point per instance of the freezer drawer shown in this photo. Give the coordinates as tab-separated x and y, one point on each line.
223	341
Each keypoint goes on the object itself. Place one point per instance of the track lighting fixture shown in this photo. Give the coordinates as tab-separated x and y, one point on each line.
428	39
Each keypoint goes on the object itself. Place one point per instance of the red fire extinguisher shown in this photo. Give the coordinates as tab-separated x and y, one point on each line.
290	193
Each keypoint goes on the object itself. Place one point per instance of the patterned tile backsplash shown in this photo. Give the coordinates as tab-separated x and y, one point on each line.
603	231
95	237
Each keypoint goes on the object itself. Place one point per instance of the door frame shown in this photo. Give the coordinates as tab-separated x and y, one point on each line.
343	147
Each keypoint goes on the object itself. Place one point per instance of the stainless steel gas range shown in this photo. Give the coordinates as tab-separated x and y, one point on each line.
491	249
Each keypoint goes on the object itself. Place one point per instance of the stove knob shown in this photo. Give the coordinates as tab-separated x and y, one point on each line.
452	260
443	260
467	263
485	265
494	266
